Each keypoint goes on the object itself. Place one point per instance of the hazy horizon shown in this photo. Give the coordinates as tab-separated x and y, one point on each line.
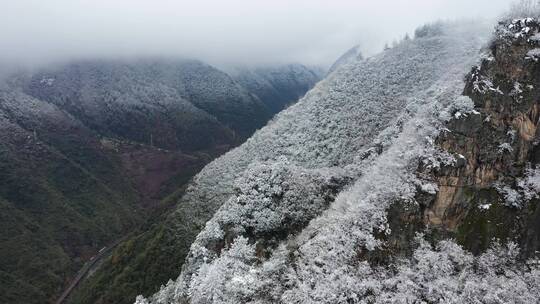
231	33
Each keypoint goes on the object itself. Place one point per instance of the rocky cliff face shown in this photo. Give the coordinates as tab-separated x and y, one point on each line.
491	191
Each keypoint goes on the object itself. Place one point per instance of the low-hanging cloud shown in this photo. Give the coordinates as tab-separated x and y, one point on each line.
232	32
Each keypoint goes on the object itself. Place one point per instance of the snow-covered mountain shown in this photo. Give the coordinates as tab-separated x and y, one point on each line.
277	86
340	199
181	104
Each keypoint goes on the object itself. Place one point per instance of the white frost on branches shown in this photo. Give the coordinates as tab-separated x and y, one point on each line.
527	188
530	184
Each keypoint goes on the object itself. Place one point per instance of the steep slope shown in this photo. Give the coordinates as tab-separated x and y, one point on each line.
218	94
323	193
89	151
350	56
492	191
277	86
61	197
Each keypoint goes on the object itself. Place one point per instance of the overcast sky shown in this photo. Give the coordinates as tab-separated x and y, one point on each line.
217	31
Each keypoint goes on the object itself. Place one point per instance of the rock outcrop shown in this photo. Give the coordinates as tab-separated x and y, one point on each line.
490	192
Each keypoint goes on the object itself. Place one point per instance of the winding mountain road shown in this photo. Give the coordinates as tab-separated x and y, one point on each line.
86	268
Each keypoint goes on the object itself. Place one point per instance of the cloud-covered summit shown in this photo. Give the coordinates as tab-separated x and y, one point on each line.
219	32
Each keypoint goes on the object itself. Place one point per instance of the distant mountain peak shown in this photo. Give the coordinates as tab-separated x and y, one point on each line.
351	55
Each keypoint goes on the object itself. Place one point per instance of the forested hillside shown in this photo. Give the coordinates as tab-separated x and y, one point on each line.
90	151
278	86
